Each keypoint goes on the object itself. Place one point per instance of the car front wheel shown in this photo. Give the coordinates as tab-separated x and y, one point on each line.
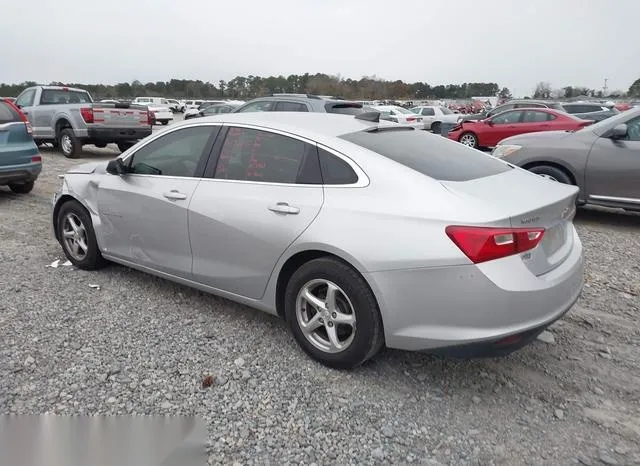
77	237
551	173
333	314
469	139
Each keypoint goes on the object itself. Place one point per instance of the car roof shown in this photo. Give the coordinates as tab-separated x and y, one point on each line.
312	125
60	88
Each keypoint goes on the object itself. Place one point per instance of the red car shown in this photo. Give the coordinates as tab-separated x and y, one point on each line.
489	132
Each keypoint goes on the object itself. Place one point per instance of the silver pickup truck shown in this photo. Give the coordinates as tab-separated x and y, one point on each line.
68	118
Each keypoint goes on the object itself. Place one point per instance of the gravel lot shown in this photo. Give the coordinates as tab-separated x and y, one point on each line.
143	345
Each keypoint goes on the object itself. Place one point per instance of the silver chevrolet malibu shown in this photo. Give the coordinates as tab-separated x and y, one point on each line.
360	233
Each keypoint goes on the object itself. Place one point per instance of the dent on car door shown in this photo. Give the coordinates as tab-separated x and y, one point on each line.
257	197
613	167
143	213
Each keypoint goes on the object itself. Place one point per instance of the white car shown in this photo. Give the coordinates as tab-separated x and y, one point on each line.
434	115
161	115
193	112
192	104
399	115
176	105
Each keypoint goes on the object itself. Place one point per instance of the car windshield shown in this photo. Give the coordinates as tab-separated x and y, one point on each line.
430	155
346	108
403	110
445	111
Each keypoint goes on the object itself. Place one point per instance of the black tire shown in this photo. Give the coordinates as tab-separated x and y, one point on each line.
164	122
553	173
123	146
436	127
100	145
92	259
73	149
54	144
21	188
369	335
472	138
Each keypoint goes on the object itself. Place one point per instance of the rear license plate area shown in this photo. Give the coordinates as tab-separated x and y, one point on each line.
554	238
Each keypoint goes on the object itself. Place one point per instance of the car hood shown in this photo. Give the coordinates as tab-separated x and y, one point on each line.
88	168
542	137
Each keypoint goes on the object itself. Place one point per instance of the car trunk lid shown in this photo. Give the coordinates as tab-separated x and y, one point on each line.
120	115
525	200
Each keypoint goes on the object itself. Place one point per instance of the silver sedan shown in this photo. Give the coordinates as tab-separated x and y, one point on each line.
360	233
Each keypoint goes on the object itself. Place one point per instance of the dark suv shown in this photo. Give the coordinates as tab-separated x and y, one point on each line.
522	103
301	103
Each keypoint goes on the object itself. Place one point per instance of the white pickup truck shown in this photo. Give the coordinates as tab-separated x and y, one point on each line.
67	117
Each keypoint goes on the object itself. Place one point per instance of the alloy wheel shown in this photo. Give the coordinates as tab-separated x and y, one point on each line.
66	144
74	235
468	140
549	177
326	316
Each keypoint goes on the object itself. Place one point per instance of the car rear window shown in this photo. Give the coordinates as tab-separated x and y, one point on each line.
344	108
7	113
434	156
60	96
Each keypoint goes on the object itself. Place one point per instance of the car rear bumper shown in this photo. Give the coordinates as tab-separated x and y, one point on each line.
118	134
459	306
20	173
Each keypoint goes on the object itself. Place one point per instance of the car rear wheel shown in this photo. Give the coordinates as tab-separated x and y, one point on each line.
77	237
551	173
70	145
435	127
333	314
164	122
21	188
469	139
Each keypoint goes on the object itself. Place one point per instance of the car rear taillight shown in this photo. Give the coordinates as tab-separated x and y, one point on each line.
87	114
36	159
411	118
482	244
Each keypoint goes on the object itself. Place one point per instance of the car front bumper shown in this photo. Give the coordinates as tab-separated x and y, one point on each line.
454	307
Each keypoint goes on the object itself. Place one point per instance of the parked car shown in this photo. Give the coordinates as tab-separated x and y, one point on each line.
214	109
68	117
162	115
20	161
175	105
152	101
400	115
434	115
194	112
192	104
489	132
515	103
603	160
590	110
322	219
300	103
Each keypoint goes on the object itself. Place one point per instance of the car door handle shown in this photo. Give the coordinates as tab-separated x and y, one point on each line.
284	208
175	195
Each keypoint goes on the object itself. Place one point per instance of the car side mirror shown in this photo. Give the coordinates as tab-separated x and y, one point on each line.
117	167
619	132
488	122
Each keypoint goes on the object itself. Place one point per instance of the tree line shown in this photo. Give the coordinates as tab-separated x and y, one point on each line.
544	90
248	87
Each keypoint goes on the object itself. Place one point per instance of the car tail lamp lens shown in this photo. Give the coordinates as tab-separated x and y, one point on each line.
482	244
36	159
87	114
411	118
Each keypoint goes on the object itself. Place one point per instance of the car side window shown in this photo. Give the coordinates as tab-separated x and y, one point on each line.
428	112
335	170
178	153
502	108
261	156
633	130
507	118
291	107
260	106
26	98
531	116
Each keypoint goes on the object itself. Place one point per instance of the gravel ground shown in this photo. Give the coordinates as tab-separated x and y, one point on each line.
143	345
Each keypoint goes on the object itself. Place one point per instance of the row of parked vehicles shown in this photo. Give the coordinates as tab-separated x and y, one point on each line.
245	205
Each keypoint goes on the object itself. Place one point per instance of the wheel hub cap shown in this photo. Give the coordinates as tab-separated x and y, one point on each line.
74	236
326	316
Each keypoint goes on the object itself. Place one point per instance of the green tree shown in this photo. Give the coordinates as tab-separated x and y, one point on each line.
634	89
505	93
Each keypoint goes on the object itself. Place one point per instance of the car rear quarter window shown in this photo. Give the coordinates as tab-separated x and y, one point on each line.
261	156
8	114
431	155
335	170
428	112
61	96
344	108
